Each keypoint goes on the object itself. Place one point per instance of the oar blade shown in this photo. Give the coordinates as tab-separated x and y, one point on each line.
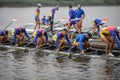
105	20
15	19
63	19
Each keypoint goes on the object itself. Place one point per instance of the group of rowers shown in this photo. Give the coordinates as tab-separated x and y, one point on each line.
108	34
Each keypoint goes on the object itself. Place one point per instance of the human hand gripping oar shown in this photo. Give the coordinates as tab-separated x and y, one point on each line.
13	20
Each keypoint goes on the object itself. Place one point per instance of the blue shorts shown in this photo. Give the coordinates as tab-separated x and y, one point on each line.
72	22
37	19
77	20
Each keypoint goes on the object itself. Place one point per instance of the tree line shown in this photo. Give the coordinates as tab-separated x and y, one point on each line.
27	3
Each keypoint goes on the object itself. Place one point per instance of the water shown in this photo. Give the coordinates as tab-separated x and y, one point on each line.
35	65
44	66
26	15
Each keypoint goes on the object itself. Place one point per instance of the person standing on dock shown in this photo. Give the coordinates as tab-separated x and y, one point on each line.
39	37
52	15
37	16
3	36
79	14
110	35
52	12
72	15
59	39
19	36
82	41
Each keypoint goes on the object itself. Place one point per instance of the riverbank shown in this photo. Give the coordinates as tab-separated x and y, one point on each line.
28	3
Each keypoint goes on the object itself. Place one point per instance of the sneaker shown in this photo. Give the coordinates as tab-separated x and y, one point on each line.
110	55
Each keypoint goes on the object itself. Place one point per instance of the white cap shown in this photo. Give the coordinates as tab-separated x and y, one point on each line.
118	28
78	5
39	4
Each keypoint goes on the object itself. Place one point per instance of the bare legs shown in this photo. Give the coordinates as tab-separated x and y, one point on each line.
108	39
20	39
37	24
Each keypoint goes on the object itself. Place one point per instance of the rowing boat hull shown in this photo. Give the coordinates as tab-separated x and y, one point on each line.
61	54
96	44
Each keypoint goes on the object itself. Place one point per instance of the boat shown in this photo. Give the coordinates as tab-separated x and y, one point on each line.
96	44
45	49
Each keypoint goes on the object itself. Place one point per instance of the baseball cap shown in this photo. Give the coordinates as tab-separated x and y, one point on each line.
78	5
118	28
39	4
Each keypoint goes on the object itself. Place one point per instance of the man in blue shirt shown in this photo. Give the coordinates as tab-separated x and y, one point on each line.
59	39
39	37
97	23
82	41
44	20
52	12
19	37
3	35
79	14
72	17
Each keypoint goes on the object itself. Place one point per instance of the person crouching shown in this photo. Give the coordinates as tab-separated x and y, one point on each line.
39	37
19	34
3	36
110	36
59	39
82	41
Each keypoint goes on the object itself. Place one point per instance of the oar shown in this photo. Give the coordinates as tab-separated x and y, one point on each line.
105	20
89	30
13	20
62	19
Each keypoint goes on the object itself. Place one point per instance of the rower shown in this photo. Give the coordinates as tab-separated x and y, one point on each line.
37	16
72	19
39	37
3	35
110	35
19	36
96	25
44	20
48	20
52	12
59	39
82	41
79	14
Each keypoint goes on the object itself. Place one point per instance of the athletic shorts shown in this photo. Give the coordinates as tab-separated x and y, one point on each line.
34	33
12	32
37	19
72	23
78	20
75	43
54	37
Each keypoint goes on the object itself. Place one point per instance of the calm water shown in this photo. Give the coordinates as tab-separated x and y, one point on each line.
26	15
41	66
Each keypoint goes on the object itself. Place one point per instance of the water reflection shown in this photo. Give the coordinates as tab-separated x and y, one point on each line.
113	69
36	65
